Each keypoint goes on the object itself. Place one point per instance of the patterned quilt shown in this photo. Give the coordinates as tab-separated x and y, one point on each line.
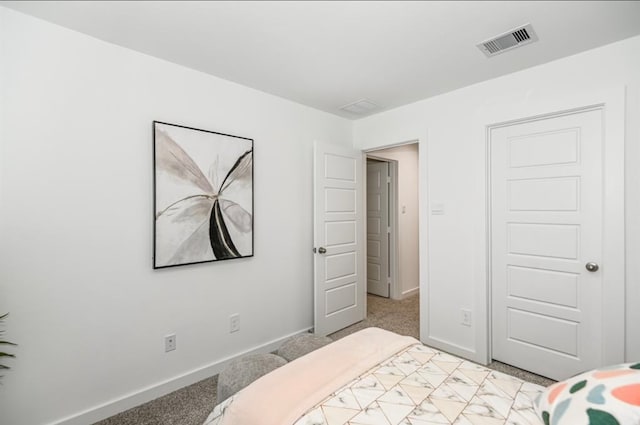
423	386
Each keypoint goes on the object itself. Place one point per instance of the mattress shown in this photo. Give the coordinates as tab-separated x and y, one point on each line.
375	377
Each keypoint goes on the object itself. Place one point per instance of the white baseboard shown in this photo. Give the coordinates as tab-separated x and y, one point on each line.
410	292
152	392
454	349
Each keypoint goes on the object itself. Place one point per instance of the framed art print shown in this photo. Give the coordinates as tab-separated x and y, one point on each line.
203	196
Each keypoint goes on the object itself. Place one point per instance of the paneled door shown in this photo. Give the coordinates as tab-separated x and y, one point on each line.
546	239
340	296
378	277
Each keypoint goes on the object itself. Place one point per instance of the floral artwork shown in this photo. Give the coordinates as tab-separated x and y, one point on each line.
203	196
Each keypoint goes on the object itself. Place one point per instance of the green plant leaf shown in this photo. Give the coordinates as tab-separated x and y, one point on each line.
2	342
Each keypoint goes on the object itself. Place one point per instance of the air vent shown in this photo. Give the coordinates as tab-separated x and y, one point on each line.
361	107
509	40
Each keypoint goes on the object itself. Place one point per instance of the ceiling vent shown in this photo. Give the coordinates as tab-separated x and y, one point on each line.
509	40
361	107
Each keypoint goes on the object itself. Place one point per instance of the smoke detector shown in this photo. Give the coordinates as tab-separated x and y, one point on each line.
509	40
360	107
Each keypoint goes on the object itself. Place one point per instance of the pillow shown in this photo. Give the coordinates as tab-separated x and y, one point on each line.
607	396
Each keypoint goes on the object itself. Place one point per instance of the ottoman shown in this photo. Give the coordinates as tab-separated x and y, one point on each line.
243	371
300	345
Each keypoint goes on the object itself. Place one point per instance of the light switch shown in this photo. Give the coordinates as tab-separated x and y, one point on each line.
437	208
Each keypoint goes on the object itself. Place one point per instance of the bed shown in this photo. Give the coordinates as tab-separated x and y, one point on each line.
376	377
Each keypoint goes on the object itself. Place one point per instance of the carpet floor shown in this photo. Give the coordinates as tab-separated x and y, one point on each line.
191	405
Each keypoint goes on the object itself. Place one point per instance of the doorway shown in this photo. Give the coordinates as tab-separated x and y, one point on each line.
400	163
340	295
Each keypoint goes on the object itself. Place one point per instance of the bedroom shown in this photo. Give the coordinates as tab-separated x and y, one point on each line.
86	307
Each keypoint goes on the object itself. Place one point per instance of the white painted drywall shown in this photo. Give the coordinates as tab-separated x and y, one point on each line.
76	210
407	213
453	161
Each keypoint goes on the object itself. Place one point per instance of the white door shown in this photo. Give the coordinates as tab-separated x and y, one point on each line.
546	233
378	277
339	290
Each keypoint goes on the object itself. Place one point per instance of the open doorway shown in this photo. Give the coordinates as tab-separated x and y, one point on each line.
400	312
400	248
393	260
340	251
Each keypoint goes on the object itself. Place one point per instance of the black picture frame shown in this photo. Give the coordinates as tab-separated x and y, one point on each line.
202	196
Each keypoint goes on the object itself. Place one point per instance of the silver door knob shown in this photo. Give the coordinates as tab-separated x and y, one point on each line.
322	250
592	267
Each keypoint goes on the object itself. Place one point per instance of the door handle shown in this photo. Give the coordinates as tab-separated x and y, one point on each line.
592	267
322	250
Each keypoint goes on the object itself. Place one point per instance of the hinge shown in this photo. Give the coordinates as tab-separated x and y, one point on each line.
388	179
388	229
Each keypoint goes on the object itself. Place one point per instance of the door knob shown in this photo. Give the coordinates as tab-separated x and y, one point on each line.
322	250
592	267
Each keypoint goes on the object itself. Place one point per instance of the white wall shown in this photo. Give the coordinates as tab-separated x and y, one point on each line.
453	165
87	310
407	238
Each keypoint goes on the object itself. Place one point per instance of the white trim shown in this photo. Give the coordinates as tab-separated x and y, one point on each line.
136	398
614	263
410	292
612	102
396	273
451	348
372	150
423	241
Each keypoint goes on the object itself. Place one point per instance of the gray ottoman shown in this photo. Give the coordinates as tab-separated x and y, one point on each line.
243	371
300	345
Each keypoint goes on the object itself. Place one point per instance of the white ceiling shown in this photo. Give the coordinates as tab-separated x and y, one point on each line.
328	54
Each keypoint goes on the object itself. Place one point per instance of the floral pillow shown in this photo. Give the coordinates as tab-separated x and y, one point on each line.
607	396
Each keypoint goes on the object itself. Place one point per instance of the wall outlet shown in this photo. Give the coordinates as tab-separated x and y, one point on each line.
169	343
465	317
234	323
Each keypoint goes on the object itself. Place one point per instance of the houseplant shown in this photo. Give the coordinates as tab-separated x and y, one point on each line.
2	342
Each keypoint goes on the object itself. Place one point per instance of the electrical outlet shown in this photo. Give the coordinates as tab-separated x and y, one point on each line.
466	317
234	323
169	343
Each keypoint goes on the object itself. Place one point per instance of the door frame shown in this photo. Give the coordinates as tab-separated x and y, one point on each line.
421	139
395	292
612	103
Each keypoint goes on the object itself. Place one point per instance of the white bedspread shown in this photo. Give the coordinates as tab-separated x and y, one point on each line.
416	385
